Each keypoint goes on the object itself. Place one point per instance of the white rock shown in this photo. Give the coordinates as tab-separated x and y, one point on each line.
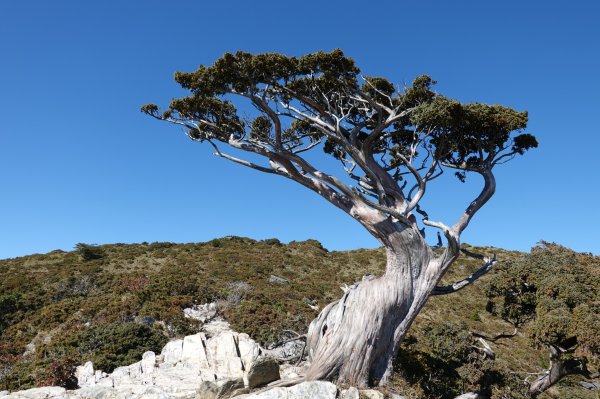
120	376
193	351
216	327
171	352
94	392
290	349
135	372
203	313
289	371
470	395
350	393
223	357
154	393
99	375
371	394
178	379
29	349
248	349
40	393
85	375
305	390
148	364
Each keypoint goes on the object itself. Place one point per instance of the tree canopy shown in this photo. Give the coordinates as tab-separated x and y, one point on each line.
390	140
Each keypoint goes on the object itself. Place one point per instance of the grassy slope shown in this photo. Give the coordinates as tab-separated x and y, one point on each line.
56	299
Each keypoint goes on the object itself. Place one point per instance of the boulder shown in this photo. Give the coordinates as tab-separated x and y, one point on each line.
171	352
202	313
211	390
289	350
248	350
592	386
308	389
207	390
371	394
289	371
85	375
350	393
222	354
148	365
277	280
193	352
263	370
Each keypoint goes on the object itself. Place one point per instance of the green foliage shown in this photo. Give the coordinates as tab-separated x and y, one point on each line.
22	375
145	287
470	137
113	345
462	129
61	373
550	285
9	304
554	293
448	341
442	363
272	241
88	251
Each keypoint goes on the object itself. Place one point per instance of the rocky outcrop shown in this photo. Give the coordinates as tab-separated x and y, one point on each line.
182	366
217	363
218	356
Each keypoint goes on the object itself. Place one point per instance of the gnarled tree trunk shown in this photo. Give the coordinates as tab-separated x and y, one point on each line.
559	368
355	339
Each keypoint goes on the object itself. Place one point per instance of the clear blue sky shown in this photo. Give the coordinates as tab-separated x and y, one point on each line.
80	163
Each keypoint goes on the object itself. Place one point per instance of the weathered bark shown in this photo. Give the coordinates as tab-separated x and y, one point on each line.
354	340
559	368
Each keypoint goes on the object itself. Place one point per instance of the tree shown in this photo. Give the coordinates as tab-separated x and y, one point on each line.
553	291
390	143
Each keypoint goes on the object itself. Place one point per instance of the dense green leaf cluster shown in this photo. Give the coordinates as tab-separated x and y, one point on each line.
88	251
302	93
557	291
111	345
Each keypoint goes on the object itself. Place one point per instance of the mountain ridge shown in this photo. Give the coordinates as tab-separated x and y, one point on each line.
68	304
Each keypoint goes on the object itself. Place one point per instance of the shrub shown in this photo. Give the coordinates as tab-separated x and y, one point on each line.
8	306
272	241
89	251
113	345
448	341
61	373
236	291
